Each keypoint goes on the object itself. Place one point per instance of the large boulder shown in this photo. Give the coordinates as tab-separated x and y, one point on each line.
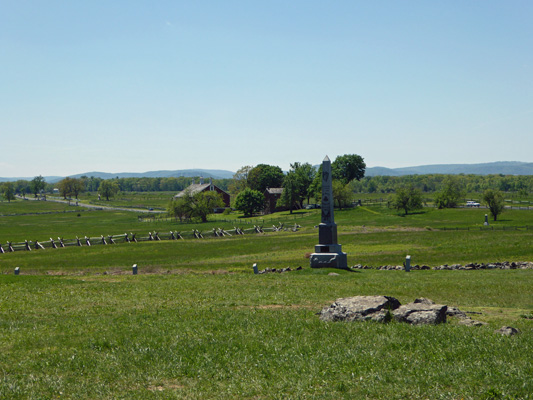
421	313
362	308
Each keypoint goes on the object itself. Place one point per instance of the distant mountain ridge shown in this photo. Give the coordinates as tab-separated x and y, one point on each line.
206	173
499	167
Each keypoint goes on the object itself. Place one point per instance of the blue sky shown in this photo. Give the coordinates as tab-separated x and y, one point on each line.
133	86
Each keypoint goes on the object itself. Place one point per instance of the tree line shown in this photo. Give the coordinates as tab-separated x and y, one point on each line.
72	187
431	183
408	197
302	175
300	184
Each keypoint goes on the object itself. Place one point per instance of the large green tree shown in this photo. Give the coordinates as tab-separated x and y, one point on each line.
78	186
37	185
451	194
407	198
204	203
265	176
108	188
297	185
65	187
348	167
179	208
315	189
291	195
304	174
249	202
240	180
494	201
8	191
71	187
341	193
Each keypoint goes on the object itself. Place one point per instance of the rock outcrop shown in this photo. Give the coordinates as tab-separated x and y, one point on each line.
384	309
421	313
360	308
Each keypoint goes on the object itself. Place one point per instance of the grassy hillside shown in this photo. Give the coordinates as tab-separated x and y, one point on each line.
246	336
370	235
196	322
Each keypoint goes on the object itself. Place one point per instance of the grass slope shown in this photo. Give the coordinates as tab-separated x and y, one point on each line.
244	336
210	329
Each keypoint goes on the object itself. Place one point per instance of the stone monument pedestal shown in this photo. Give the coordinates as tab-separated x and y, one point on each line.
329	255
329	260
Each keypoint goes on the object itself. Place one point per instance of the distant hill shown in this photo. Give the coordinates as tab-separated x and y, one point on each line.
499	167
206	173
49	179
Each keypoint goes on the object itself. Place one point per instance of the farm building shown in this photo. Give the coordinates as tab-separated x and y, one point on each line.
272	196
195	188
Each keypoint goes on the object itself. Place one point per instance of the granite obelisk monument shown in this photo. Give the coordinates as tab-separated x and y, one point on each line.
328	253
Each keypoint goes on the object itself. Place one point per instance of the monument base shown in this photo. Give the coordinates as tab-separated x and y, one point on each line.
329	260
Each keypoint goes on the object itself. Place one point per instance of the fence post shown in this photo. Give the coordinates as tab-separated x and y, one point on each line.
407	263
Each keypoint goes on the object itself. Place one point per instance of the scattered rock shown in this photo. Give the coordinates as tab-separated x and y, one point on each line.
421	313
471	322
279	271
457	267
455	312
383	309
386	308
507	331
360	308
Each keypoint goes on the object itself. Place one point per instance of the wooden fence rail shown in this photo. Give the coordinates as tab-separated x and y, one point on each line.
29	245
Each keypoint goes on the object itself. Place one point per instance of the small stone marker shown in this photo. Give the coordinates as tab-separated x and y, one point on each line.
17	270
407	263
256	270
134	269
486	220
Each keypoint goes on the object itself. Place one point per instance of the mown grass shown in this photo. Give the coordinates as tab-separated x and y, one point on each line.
211	329
384	240
278	250
31	206
246	336
156	200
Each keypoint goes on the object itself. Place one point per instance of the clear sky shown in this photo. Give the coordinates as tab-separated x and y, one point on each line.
134	86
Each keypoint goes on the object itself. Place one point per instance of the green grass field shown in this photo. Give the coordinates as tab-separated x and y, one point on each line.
196	323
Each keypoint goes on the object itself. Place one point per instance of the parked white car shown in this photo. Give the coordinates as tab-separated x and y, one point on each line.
471	203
